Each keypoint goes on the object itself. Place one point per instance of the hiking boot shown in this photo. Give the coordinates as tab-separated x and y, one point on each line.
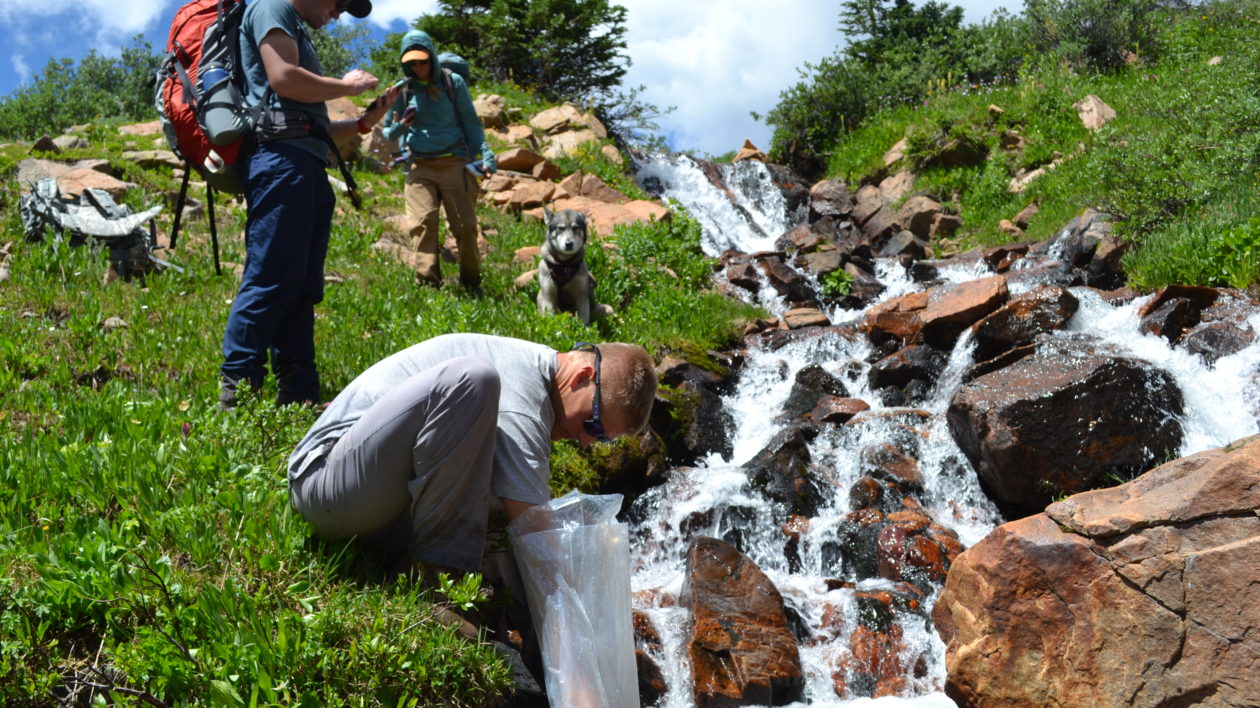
433	281
228	389
475	290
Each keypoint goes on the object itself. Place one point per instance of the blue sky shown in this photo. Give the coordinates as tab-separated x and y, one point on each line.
714	61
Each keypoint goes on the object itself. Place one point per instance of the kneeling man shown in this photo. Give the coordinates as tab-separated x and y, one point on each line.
418	444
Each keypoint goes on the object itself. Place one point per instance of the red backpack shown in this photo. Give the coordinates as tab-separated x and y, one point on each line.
199	91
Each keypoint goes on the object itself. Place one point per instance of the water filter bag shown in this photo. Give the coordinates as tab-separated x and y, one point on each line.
574	558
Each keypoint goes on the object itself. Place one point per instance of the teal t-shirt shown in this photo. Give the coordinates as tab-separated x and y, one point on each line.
261	17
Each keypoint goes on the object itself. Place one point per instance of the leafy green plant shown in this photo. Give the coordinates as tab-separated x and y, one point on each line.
837	283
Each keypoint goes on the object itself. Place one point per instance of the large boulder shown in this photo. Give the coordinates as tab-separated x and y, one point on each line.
1145	594
742	652
1018	322
1066	418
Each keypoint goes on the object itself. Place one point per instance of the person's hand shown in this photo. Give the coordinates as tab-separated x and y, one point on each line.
376	110
357	81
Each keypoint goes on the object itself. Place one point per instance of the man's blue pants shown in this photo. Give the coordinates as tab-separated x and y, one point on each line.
290	205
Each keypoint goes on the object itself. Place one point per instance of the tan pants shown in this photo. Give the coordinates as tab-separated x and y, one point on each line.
442	181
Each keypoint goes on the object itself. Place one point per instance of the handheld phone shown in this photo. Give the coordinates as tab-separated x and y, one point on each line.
409	113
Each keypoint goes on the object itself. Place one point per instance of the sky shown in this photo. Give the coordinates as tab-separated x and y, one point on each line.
714	62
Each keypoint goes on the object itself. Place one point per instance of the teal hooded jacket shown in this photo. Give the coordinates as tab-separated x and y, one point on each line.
440	127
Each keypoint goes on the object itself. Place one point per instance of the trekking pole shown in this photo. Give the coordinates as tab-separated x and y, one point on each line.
179	205
214	233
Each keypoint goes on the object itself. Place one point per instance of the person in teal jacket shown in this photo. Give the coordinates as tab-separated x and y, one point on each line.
435	123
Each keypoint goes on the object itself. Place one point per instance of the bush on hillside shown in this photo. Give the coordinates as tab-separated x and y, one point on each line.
1093	34
65	94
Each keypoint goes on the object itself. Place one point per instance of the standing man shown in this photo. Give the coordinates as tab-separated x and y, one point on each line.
289	200
440	130
413	452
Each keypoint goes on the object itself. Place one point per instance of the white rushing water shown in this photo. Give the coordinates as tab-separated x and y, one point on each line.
716	499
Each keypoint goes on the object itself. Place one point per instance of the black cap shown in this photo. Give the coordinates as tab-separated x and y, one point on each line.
359	8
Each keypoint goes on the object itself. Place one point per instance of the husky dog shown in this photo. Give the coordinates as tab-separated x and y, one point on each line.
564	283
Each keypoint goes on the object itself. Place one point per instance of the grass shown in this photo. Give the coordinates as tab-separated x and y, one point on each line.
146	540
1175	169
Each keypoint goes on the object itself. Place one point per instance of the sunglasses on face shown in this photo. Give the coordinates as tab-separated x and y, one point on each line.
593	426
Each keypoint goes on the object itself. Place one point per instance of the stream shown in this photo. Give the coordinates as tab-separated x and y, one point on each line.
714	498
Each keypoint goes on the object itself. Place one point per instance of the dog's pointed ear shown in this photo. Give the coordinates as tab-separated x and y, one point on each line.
547	215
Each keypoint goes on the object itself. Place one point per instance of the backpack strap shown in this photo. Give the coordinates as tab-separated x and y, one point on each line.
179	204
450	92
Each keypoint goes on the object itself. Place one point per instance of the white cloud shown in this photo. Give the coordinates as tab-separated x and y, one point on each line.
20	67
101	19
716	62
387	12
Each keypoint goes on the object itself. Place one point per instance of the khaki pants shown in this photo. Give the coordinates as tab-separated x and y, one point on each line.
442	181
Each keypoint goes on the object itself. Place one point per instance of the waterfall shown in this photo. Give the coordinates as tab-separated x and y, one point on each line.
715	499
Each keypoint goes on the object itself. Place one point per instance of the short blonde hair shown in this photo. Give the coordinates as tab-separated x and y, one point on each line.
629	383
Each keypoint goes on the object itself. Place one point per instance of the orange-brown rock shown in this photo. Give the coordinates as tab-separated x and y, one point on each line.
1145	594
935	316
749	152
742	652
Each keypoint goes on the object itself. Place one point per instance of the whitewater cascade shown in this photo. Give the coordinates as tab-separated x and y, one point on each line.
715	499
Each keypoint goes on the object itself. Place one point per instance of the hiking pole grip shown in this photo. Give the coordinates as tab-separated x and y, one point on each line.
214	232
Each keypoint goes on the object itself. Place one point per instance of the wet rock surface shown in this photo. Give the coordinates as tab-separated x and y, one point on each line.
1145	594
740	648
1069	417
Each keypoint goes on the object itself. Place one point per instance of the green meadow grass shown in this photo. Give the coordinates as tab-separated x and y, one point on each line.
146	538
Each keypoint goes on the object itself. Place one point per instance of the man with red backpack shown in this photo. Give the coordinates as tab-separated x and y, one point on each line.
288	197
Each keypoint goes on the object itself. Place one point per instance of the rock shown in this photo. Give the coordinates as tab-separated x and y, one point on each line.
112	323
1043	309
546	170
866	202
1144	594
1026	215
567	143
741	650
895	153
944	226
518	160
837	410
557	119
749	152
150	159
1007	227
593	187
153	127
74	181
781	472
69	142
917	362
1093	112
1213	340
799	317
812	383
527	195
904	243
830	198
918	214
46	144
823	262
894	187
1067	418
602	218
935	316
491	110
787	282
612	154
345	109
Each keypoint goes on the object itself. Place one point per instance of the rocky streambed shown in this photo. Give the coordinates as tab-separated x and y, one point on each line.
886	493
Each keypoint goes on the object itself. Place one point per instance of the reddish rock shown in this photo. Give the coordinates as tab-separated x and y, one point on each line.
1145	594
595	188
742	652
530	194
837	410
918	214
830	198
935	316
518	160
1018	322
799	317
749	152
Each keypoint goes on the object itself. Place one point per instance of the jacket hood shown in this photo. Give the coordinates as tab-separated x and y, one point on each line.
417	39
